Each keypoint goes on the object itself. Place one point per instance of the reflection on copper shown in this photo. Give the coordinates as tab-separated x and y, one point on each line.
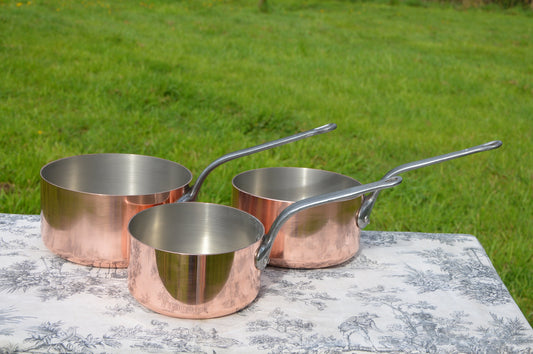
318	237
193	279
91	229
190	286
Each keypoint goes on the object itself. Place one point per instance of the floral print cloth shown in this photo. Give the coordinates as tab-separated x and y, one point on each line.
404	292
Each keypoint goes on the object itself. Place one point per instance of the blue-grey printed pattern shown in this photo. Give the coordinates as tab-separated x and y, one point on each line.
424	331
463	273
403	292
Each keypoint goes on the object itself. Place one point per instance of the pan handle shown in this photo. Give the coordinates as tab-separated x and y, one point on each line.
263	252
193	192
364	212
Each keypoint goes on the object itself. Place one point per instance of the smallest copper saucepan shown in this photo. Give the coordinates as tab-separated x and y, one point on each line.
201	260
323	236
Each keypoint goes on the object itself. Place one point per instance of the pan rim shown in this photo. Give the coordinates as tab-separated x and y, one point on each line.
285	168
257	222
48	165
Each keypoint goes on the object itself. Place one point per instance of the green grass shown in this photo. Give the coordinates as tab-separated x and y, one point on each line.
190	81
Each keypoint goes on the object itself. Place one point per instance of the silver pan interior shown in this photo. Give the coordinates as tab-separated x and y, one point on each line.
116	174
291	183
194	228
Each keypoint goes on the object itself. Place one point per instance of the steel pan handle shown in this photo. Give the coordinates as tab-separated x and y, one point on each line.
364	212
191	194
263	252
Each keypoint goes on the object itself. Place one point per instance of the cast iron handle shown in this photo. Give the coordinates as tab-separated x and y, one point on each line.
364	212
192	193
263	252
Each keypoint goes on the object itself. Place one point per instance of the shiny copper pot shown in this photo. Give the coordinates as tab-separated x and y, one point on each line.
88	200
322	236
200	260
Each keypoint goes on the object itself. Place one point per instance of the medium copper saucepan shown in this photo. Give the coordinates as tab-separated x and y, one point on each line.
322	236
88	200
201	260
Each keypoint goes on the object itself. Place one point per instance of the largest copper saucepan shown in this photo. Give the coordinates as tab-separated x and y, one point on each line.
322	236
88	200
200	260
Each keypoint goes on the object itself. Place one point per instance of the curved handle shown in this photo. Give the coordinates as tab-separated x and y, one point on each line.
261	257
193	192
364	213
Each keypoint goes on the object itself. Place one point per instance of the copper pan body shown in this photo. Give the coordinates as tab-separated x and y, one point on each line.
194	260
318	237
88	200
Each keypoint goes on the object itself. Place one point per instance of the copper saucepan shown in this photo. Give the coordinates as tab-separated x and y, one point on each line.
322	236
88	200
201	260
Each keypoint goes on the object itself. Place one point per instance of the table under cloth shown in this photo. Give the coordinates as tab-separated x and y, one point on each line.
404	292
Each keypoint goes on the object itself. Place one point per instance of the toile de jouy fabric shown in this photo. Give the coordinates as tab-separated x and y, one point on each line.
404	292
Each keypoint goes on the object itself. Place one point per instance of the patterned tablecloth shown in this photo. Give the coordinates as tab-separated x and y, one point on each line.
405	292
